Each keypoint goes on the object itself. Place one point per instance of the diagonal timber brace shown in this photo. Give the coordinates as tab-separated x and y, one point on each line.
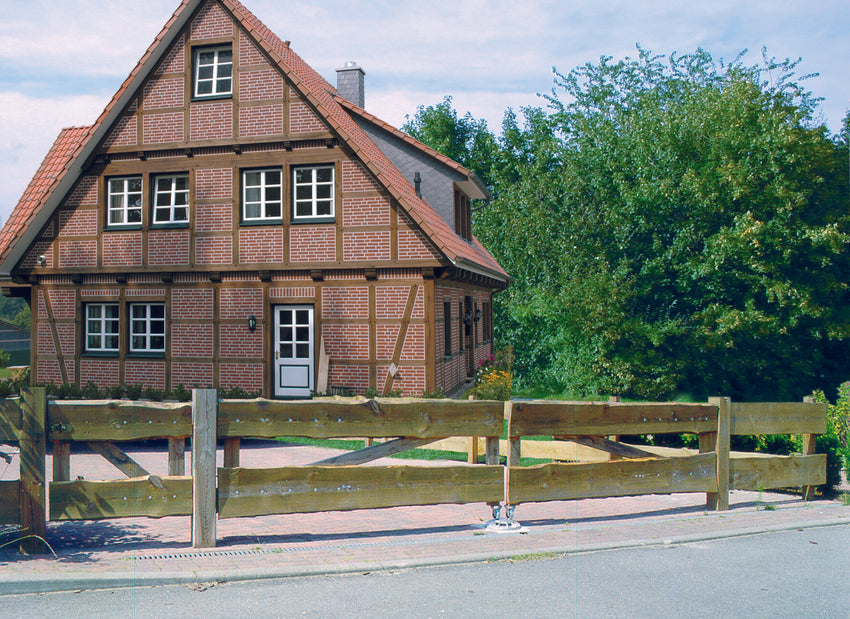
380	450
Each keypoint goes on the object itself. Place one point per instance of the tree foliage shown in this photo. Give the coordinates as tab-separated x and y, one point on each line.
673	224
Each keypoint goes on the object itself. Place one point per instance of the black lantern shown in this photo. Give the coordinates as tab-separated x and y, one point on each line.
252	323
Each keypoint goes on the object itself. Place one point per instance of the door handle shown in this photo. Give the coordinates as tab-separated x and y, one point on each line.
276	355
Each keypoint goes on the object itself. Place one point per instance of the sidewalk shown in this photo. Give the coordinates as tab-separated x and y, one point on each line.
145	552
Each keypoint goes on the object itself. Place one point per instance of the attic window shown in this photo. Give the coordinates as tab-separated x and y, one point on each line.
124	201
213	72
313	193
463	215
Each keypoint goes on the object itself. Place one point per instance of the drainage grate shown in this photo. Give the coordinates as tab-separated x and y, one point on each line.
290	549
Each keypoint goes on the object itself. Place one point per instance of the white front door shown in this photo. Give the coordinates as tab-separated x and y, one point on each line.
293	351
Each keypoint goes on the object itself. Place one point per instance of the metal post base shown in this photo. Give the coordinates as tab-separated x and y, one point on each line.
506	524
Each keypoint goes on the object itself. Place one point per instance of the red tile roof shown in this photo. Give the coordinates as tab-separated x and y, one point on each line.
51	170
311	87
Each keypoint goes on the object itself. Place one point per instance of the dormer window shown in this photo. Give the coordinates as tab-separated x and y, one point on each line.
463	216
213	72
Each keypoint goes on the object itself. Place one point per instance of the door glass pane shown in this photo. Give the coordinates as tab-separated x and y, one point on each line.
286	351
302	351
302	317
286	334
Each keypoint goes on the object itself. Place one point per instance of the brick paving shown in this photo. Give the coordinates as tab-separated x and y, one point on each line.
134	551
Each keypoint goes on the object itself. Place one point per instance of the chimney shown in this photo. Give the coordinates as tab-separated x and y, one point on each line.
350	83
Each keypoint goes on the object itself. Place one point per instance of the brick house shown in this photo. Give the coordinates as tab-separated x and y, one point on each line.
232	219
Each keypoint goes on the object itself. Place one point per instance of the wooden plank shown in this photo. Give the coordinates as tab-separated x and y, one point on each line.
778	418
720	500
810	447
604	418
345	417
117	458
762	473
10	503
117	420
254	492
176	457
491	451
61	461
231	452
374	452
558	481
33	448
204	408
608	446
150	496
10	420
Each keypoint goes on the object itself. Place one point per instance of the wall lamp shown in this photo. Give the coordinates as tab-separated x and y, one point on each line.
477	314
252	323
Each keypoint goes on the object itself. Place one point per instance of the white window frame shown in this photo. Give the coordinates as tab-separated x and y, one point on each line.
220	80
261	195
106	328
171	196
124	201
312	188
145	328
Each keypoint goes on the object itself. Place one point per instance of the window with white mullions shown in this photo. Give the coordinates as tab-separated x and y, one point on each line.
213	72
171	199
147	327
313	192
124	201
102	327
262	194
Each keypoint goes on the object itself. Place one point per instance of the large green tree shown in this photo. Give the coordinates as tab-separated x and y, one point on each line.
673	224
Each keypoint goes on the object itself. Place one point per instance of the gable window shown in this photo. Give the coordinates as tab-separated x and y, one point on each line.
262	194
102	327
313	193
213	72
171	199
147	328
124	201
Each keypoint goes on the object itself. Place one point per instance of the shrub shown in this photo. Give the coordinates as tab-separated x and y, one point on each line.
181	394
133	392
834	443
494	378
91	391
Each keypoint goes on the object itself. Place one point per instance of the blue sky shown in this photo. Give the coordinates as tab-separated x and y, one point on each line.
62	60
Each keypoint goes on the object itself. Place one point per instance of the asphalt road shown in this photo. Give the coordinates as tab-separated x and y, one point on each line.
792	573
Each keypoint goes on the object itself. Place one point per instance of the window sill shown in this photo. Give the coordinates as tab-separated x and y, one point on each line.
170	226
313	220
98	354
262	222
122	227
145	355
201	99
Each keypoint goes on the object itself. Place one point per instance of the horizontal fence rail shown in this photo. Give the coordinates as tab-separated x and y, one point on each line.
587	432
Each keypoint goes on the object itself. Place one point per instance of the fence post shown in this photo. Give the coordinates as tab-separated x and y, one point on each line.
204	433
719	500
810	445
33	447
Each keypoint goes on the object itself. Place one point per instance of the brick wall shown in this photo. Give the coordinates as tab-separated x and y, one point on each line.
249	376
102	372
346	341
354	377
260	85
214	218
214	184
145	372
366	246
239	303
211	22
260	245
191	374
168	247
248	52
302	119
345	302
237	342
79	222
84	193
261	120
124	133
214	250
192	340
188	304
366	211
356	178
162	128
173	61
122	249
312	243
211	120
412	245
163	93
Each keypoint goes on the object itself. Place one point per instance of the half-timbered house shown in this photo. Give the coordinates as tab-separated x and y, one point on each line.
232	219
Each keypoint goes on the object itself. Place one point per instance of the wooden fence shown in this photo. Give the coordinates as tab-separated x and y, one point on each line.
339	483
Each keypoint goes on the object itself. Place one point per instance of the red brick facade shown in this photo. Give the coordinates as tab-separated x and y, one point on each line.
374	279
